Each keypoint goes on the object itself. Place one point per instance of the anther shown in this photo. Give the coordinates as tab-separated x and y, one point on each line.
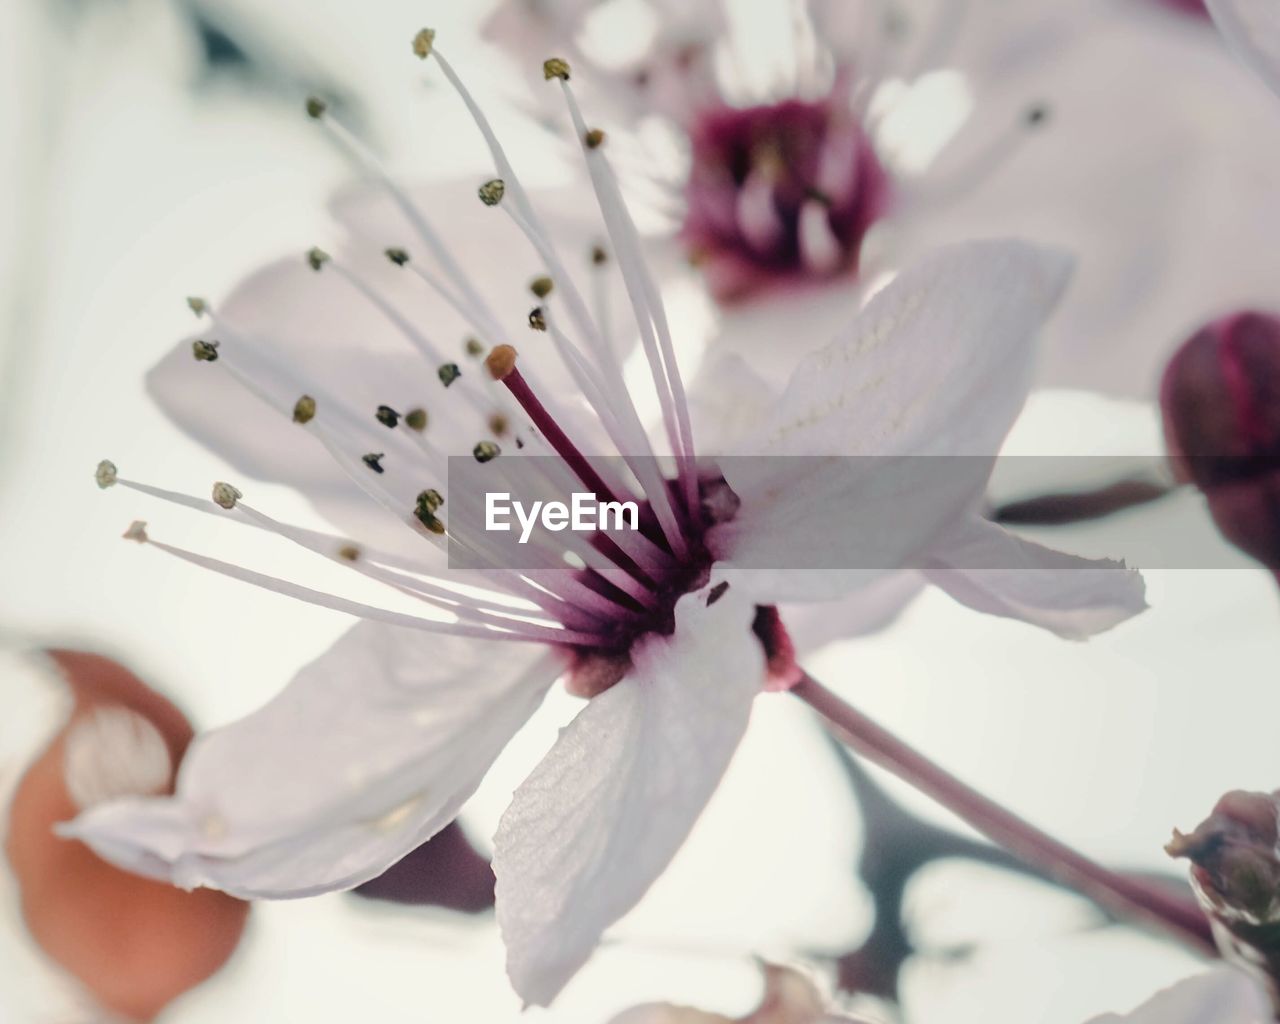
397	256
225	495
541	286
387	416
555	67
374	461
492	191
717	592
416	419
105	474
316	107
486	451
448	373
197	305
599	257
500	362
498	425
422	43
536	319
425	510
594	138
349	553
1036	115
304	409
317	257
204	351
137	531
474	347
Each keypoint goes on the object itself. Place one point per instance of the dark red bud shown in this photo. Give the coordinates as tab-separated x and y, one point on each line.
1221	403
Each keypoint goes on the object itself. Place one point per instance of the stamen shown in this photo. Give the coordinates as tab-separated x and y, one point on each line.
225	495
555	67
474	347
593	139
374	461
537	320
448	373
541	286
521	632
423	41
304	410
387	416
486	451
105	474
317	258
316	107
397	256
491	192
416	419
197	305
205	351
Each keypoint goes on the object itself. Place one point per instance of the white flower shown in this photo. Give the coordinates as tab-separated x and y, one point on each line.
1222	996
1252	27
1119	130
671	631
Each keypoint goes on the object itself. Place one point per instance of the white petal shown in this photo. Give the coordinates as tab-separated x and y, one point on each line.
368	752
937	364
866	610
1221	996
1252	27
600	818
993	571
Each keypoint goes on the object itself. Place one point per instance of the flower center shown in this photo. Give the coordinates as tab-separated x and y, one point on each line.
780	193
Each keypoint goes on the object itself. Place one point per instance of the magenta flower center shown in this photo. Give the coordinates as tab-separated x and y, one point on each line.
780	194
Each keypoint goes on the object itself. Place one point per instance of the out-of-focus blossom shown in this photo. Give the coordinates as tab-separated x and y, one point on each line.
1221	404
1252	27
789	997
1224	996
1235	868
671	631
135	944
1146	161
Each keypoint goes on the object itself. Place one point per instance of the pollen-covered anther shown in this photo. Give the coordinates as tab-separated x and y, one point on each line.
492	191
304	409
387	416
594	138
349	553
317	257
486	451
555	67
474	347
416	419
226	495
541	286
537	319
204	351
397	256
501	361
425	510
599	255
374	461
422	43
498	425
197	305
448	373
105	474
137	532
316	107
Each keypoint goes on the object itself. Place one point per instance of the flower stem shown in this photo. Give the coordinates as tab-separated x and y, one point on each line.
1125	896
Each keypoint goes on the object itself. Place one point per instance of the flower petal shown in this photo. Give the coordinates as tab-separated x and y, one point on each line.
1222	996
1252	27
938	364
368	752
608	807
993	571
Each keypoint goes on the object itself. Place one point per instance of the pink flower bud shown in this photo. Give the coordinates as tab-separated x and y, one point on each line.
1221	402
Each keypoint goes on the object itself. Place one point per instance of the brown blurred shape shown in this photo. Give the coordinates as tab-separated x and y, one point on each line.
134	943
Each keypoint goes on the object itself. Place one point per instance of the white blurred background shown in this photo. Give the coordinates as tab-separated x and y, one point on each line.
136	172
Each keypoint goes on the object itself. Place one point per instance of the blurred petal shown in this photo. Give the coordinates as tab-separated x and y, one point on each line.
1222	996
369	751
608	807
135	944
1252	27
993	571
